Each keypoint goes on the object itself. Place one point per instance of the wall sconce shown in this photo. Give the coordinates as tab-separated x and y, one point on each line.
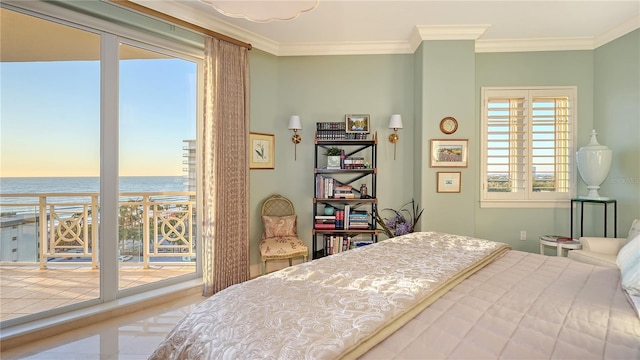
295	125
395	123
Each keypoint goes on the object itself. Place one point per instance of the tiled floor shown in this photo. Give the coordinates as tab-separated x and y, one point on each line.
132	336
26	290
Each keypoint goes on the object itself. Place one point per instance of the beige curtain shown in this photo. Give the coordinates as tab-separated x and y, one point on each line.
225	169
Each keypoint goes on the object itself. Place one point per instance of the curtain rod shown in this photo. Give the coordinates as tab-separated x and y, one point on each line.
174	20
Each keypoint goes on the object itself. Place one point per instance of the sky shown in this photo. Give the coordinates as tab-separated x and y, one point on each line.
50	117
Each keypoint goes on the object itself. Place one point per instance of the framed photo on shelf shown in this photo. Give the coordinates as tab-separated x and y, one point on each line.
357	123
449	153
261	151
448	182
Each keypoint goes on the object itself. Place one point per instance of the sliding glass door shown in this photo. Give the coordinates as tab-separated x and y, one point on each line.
157	232
97	165
49	165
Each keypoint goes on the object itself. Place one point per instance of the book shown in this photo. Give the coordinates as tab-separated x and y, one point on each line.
344	196
557	238
325	217
347	210
339	219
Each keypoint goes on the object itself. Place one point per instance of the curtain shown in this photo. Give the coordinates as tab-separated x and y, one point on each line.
225	169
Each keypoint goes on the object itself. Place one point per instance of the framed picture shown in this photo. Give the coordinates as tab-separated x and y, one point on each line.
261	151
449	153
449	182
357	123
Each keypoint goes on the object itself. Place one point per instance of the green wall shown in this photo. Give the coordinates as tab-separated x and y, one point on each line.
319	89
617	121
555	68
448	90
443	78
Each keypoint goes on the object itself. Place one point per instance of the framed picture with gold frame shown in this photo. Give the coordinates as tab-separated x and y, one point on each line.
449	182
449	153
357	123
261	151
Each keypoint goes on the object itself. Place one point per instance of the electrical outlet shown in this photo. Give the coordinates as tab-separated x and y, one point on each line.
523	235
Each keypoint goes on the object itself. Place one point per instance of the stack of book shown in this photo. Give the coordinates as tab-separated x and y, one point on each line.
343	192
336	130
340	223
358	220
324	187
334	244
325	222
331	130
358	241
352	162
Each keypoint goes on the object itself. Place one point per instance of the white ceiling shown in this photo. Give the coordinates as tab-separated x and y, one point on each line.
379	27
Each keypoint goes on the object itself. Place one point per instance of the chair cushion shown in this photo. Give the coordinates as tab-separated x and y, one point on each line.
282	247
628	261
279	226
592	257
603	245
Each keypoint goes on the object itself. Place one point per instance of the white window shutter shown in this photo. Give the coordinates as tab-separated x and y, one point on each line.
527	146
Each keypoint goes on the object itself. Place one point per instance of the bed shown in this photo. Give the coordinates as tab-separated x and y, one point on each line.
422	295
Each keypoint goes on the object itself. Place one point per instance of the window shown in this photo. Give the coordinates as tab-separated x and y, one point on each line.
528	146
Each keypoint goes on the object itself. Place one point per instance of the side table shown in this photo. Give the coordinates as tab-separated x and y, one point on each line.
605	203
552	240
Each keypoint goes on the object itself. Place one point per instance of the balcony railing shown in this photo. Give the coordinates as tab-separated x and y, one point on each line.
63	227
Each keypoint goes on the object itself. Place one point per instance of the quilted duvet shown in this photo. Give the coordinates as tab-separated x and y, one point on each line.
419	296
524	306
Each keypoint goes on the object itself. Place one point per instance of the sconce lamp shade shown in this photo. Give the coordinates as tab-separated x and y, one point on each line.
395	122
294	123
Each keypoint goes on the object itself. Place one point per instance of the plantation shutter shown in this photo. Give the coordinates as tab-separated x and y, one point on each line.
506	145
527	145
550	144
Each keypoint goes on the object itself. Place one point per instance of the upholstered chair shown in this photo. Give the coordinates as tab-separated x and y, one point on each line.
280	237
603	251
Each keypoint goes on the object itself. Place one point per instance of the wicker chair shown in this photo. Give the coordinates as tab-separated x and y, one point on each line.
280	237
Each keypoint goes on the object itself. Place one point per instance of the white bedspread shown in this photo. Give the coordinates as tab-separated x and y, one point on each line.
524	306
326	308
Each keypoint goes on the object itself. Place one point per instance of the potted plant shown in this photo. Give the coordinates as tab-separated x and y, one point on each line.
333	157
402	221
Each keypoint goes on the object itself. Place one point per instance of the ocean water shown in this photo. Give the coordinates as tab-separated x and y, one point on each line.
48	185
32	185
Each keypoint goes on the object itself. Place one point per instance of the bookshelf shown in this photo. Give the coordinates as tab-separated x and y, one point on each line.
349	220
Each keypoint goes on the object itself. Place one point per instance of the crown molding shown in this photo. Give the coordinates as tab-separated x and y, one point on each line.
346	48
618	31
445	32
523	45
186	11
450	32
